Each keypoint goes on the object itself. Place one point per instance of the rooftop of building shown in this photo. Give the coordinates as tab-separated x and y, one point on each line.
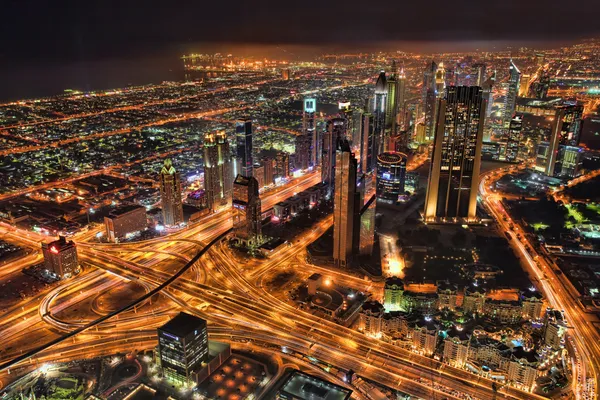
314	277
124	209
61	244
183	324
303	386
373	306
394	280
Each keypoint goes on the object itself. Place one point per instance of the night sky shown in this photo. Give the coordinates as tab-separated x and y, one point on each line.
47	46
84	29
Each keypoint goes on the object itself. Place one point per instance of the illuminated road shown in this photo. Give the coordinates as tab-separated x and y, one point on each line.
583	336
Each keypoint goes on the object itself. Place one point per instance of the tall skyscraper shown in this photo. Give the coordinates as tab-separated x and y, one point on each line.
368	144
336	132
429	98
218	170
456	158
401	92
60	257
479	71
513	140
379	110
310	131
243	141
391	172
391	109
563	142
182	347
487	87
514	81
247	222
344	203
170	194
302	154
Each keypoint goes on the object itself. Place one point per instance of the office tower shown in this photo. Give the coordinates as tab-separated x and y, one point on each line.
456	158
243	141
367	143
542	86
259	174
391	171
561	151
367	227
60	257
488	95
125	220
170	194
218	169
401	93
282	165
285	74
344	203
479	71
513	140
428	80
379	109
524	85
302	154
183	347
514	80
309	130
336	132
440	80
269	170
391	109
246	203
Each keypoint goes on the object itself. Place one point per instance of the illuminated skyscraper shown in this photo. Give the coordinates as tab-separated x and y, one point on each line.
310	131
182	347
367	144
391	109
456	158
218	170
429	99
379	110
514	138
391	171
170	194
367	227
401	92
560	155
479	71
336	132
60	257
247	223
344	203
514	80
243	140
302	153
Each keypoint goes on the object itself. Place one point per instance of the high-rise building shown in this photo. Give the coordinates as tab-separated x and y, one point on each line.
60	257
336	132
124	221
488	95
183	347
391	109
430	111
456	158
218	170
367	144
513	140
170	194
379	110
309	130
514	80
285	74
367	227
401	93
243	141
391	171
343	208
428	80
282	165
393	294
479	71
560	155
247	222
259	174
302	153
269	170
